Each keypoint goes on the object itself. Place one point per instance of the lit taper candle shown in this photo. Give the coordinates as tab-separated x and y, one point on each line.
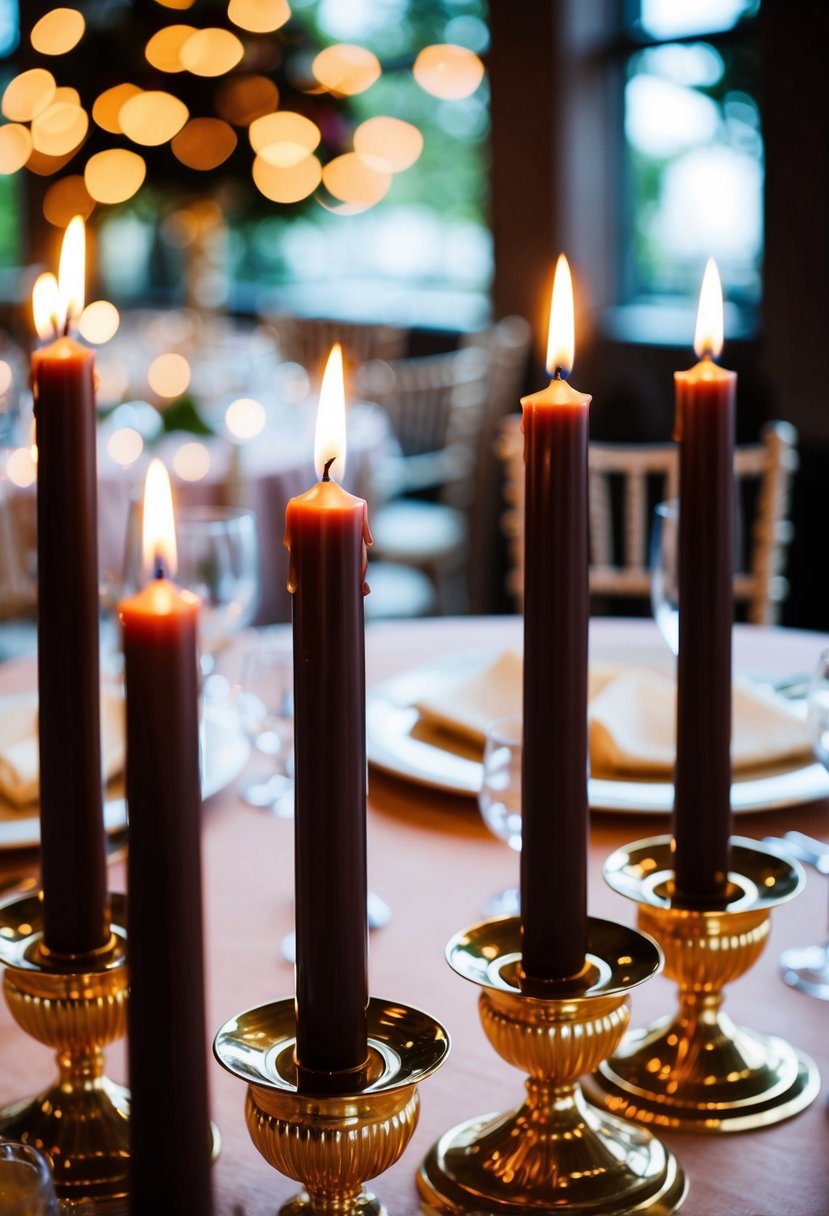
169	1123
705	398
73	862
554	769
326	531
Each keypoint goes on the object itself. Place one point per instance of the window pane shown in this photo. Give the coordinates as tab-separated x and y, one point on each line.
695	169
679	18
9	26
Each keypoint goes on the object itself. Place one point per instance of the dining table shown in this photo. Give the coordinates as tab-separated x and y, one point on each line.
433	860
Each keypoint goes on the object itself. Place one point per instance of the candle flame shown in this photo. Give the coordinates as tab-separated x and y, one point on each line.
708	338
159	533
71	269
329	439
46	306
561	341
58	302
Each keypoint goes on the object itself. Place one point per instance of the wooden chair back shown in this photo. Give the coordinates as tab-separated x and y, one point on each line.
625	482
308	340
435	404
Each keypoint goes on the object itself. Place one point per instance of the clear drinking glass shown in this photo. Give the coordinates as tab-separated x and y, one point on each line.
265	703
664	571
807	967
499	798
218	559
26	1187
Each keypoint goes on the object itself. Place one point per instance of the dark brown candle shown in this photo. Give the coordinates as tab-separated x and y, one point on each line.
73	861
705	428
326	532
554	759
169	1120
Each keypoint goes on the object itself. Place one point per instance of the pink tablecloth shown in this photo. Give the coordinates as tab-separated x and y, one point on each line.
432	858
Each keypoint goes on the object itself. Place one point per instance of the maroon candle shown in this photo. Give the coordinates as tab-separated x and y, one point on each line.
705	428
169	1121
554	769
73	862
326	532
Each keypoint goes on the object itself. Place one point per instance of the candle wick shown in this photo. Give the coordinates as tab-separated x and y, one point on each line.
158	568
560	374
326	467
66	327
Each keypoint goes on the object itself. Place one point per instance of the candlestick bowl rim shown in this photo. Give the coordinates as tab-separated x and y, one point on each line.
406	1045
618	958
21	936
759	878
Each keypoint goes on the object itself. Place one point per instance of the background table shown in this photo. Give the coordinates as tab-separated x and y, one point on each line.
260	475
432	858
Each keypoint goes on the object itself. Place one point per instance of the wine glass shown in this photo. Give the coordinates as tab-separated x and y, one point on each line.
499	798
218	559
265	703
664	553
807	967
26	1187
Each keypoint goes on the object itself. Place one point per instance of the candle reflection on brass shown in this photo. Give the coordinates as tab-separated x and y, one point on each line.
698	1071
332	1138
75	1007
555	1152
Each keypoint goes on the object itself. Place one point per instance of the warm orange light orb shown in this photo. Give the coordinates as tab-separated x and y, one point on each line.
169	375
192	461
245	418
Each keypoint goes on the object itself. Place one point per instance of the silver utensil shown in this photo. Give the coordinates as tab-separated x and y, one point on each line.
804	848
805	968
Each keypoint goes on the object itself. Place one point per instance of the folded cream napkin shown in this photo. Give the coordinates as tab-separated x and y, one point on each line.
632	716
19	761
467	705
633	726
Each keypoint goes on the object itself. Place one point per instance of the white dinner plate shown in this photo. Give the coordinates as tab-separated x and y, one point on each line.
400	743
224	753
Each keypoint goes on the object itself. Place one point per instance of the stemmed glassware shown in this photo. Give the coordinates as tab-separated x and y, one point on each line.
807	967
26	1187
499	798
664	571
265	703
218	559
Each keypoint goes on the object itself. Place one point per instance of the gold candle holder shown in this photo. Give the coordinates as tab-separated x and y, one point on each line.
697	1071
332	1142
555	1152
75	1007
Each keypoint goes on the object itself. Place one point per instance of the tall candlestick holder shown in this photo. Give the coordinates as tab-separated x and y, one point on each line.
698	1071
554	1153
76	1007
332	1137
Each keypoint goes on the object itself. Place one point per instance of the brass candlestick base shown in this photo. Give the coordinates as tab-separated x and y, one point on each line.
698	1071
82	1121
332	1142
555	1153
